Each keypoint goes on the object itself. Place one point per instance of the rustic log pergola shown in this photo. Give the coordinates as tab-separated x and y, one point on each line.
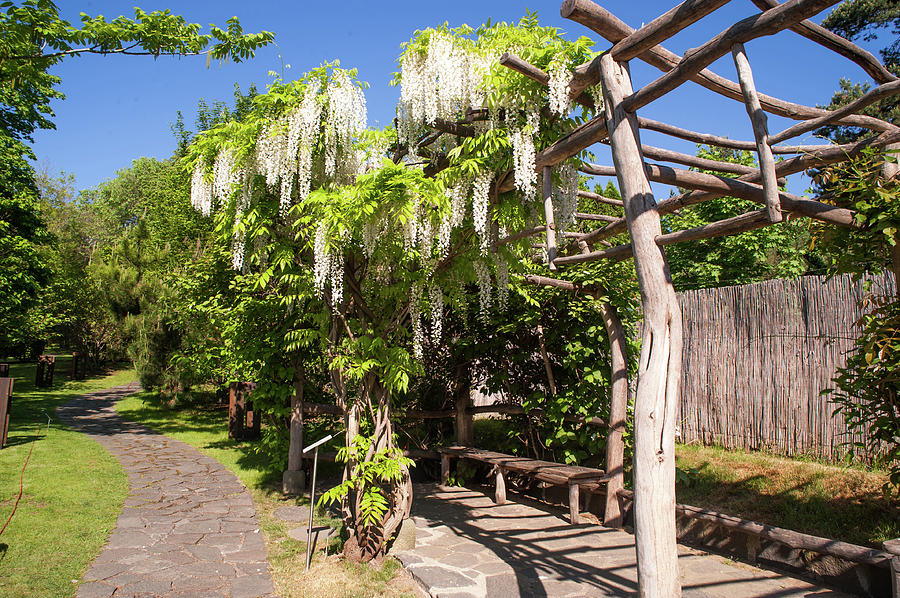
619	126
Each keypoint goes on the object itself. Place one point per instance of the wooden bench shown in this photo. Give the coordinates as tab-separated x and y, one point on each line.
573	476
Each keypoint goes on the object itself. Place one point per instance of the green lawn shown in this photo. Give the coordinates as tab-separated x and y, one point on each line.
206	429
843	503
73	489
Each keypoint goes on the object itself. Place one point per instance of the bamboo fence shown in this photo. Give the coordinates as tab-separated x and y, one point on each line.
756	358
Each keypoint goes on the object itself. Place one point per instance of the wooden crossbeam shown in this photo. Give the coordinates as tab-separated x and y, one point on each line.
552	282
724	142
702	181
602	217
519	235
720	228
814	158
882	91
617	253
838	44
582	137
454	128
584	76
688	135
600	198
663	27
666	155
760	132
770	22
833	153
513	62
613	29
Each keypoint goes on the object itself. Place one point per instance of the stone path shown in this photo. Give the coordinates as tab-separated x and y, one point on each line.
188	527
466	546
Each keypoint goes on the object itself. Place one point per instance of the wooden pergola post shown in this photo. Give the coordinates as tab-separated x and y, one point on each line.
760	132
465	435
293	481
618	405
660	360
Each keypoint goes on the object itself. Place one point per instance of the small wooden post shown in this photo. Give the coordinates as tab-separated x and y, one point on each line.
4	370
6	386
893	547
43	376
295	450
79	366
293	481
574	504
253	421
39	374
243	420
618	404
465	432
500	486
445	469
235	411
551	382
548	216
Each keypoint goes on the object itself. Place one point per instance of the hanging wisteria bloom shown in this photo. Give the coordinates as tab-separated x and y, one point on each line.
201	190
415	315
502	268
566	197
314	141
426	234
346	121
237	251
369	237
559	89
483	280
436	298
321	259
337	280
522	140
226	174
447	79
411	227
459	193
480	202
303	130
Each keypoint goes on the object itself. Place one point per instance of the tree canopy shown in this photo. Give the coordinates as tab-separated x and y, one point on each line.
34	38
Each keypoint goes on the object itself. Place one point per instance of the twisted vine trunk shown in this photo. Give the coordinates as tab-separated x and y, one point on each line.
367	542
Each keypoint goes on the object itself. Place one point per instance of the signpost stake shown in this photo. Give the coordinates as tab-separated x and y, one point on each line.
312	496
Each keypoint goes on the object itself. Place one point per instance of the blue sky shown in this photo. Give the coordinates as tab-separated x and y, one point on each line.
120	108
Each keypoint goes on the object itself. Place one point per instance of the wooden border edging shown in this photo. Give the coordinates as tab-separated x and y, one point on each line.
790	538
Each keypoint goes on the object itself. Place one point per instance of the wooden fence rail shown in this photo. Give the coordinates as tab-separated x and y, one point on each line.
756	358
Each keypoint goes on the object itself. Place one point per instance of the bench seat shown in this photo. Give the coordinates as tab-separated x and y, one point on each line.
557	474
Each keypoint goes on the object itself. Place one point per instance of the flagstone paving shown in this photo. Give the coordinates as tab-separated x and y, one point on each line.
188	527
467	546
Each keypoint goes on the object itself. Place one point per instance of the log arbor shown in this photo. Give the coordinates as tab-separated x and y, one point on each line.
619	126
